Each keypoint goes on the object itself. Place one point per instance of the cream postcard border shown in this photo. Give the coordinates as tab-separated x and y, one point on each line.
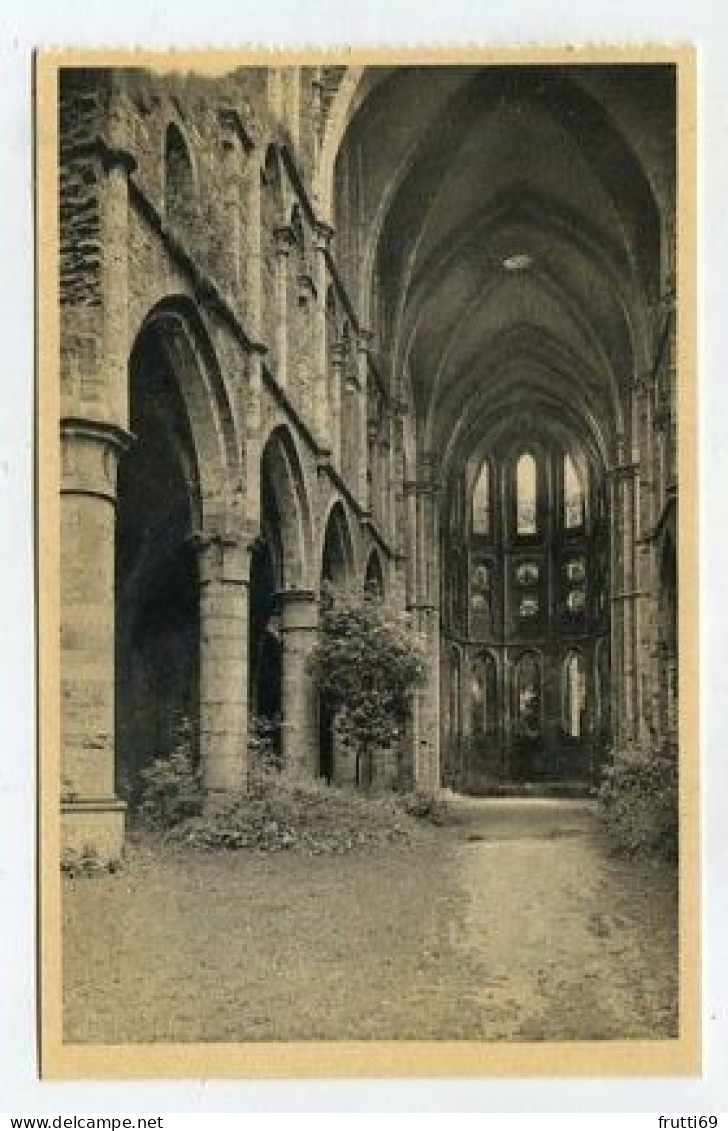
280	1060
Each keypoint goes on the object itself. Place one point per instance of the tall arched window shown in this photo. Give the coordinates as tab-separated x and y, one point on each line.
526	494
179	181
574	695
481	501
528	695
484	706
573	496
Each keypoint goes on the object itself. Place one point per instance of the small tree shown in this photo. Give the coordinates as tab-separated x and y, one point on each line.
367	663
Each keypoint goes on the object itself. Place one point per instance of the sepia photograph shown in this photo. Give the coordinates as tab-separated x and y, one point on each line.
366	397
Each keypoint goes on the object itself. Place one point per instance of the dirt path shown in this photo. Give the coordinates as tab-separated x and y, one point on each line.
559	940
510	924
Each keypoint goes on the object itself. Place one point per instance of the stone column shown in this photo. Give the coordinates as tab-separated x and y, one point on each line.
91	815
624	595
373	469
338	358
426	761
362	486
299	703
284	242
398	587
322	410
224	577
385	477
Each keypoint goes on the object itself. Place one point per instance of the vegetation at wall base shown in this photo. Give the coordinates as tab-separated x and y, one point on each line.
639	800
280	811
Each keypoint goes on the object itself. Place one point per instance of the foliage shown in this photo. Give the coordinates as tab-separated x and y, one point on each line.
85	862
367	663
639	800
429	807
264	751
278	812
284	814
172	787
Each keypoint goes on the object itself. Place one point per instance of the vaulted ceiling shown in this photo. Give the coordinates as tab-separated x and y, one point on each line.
507	221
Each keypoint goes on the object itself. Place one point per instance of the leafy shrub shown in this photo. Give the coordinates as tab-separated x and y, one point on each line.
172	786
639	801
367	663
284	813
429	807
85	862
265	760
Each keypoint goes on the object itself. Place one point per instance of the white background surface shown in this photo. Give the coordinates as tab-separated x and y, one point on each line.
366	22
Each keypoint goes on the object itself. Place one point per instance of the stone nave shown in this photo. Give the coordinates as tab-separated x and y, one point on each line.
409	327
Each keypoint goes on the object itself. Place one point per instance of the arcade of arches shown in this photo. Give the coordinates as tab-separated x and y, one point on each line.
407	328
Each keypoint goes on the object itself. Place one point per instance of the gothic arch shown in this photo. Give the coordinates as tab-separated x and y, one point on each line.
354	86
484	704
181	340
574	694
181	477
285	503
528	694
180	177
337	547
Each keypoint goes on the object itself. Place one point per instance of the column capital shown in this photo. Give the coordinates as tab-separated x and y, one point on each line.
299	609
624	470
90	451
223	558
103	431
430	486
296	595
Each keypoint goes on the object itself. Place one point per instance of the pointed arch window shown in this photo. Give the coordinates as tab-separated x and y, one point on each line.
573	496
179	181
483	696
574	695
481	501
528	695
526	494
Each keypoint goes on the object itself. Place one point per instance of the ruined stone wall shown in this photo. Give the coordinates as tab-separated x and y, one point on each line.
187	219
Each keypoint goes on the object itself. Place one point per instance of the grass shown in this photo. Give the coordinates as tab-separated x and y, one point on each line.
509	923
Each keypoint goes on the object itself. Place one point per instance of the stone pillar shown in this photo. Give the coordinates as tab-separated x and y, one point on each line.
338	358
254	258
321	406
624	596
317	91
397	587
362	486
426	715
299	702
91	815
385	478
284	242
646	512
224	577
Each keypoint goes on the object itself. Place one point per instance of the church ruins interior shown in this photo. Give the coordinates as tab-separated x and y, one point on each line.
409	328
